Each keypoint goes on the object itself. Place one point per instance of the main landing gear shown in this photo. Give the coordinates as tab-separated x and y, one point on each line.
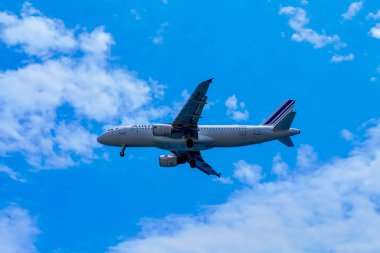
122	151
190	143
192	164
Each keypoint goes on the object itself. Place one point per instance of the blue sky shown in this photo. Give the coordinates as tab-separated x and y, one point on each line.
69	70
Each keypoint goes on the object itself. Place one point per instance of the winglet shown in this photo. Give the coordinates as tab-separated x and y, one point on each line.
210	80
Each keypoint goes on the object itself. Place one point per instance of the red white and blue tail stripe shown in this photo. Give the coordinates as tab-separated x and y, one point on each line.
280	113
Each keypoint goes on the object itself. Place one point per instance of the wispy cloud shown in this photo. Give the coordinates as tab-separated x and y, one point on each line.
236	110
298	22
135	14
11	173
334	208
374	16
347	135
342	58
353	10
224	180
18	230
159	36
157	88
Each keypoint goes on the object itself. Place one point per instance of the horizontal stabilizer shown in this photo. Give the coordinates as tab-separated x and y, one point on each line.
286	141
285	123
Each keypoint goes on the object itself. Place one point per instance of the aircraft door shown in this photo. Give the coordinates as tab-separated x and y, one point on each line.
256	131
122	130
134	128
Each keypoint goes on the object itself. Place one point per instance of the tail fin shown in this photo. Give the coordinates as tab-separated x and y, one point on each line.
285	123
280	113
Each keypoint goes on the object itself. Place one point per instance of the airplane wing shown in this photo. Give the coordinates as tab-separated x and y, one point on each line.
188	117
200	164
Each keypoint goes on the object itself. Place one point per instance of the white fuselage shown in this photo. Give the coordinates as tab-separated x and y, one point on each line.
209	136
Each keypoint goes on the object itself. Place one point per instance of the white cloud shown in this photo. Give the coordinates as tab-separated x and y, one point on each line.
43	104
235	110
374	16
159	37
98	42
304	2
17	231
373	79
224	180
11	173
247	173
353	10
232	103
306	156
35	34
375	31
298	21
279	167
135	14
30	126
335	208
347	135
239	115
342	58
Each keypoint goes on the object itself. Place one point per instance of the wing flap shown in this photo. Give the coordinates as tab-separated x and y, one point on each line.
204	166
200	164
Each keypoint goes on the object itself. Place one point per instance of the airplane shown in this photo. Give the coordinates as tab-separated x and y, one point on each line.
185	138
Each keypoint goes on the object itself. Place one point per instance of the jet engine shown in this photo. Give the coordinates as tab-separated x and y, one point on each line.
168	160
162	129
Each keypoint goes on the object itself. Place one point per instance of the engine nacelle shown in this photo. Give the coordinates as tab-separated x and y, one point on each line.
168	160
162	129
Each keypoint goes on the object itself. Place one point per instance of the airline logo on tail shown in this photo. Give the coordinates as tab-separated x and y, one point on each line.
280	113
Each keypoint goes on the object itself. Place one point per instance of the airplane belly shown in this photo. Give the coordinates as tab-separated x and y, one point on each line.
170	143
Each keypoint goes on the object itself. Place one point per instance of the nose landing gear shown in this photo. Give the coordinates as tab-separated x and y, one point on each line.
122	151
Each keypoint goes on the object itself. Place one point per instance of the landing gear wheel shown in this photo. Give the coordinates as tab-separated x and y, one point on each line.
190	143
122	151
192	164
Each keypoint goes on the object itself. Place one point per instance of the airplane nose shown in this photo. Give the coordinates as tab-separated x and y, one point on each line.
101	139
